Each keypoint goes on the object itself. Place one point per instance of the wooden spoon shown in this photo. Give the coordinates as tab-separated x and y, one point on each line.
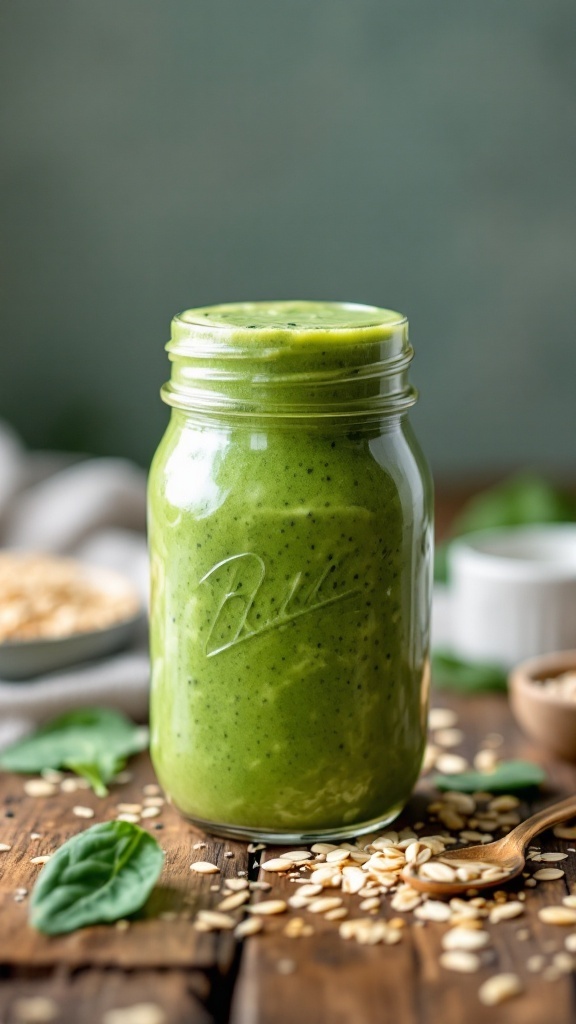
506	854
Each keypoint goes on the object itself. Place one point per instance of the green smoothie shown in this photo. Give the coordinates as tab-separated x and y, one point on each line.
290	579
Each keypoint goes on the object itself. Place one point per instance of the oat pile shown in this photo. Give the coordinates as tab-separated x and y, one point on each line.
42	596
563	686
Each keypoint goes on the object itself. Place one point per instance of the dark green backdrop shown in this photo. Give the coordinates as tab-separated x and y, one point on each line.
158	154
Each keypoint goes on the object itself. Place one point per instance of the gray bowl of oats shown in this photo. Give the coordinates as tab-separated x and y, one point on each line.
57	612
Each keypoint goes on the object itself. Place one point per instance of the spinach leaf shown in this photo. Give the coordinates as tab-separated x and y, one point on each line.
507	776
98	876
519	501
93	742
451	673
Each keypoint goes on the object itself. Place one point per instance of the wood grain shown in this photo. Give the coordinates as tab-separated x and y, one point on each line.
150	940
80	997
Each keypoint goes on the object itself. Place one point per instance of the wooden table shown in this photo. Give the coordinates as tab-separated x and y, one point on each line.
269	978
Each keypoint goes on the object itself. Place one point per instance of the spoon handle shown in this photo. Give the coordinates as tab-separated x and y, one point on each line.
523	833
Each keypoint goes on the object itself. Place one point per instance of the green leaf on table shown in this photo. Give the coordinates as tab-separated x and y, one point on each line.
98	876
93	742
522	500
507	776
451	673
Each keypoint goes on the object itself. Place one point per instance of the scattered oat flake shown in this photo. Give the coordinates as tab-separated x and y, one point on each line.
505	911
204	867
563	962
41	860
150	812
451	764
570	942
234	900
132	819
39	787
441	718
138	1013
337	914
310	890
460	960
557	915
337	856
505	802
250	926
432	910
485	760
498	988
83	812
69	785
276	864
5	847
236	884
465	938
35	1010
325	903
371	903
215	920
554	856
449	737
297	928
548	874
267	907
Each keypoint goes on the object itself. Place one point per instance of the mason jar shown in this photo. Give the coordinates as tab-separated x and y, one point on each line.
290	529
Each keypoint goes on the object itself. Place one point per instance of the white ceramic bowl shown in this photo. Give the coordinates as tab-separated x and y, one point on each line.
513	593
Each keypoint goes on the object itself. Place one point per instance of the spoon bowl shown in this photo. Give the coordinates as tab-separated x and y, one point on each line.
483	867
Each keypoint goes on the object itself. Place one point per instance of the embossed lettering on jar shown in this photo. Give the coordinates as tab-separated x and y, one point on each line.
290	540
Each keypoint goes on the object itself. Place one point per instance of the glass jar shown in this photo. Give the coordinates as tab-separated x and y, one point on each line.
290	530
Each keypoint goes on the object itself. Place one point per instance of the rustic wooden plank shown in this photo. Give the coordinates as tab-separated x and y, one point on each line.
150	940
85	997
331	980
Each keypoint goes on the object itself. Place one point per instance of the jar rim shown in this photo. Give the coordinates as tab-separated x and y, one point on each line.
290	359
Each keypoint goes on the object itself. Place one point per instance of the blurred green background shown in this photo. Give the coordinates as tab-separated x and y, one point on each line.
160	155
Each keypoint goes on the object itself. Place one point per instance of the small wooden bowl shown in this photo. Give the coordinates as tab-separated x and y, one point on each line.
542	714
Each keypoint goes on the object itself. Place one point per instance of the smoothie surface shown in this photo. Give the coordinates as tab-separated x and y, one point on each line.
286	322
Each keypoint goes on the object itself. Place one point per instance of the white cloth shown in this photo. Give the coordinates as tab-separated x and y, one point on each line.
95	510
